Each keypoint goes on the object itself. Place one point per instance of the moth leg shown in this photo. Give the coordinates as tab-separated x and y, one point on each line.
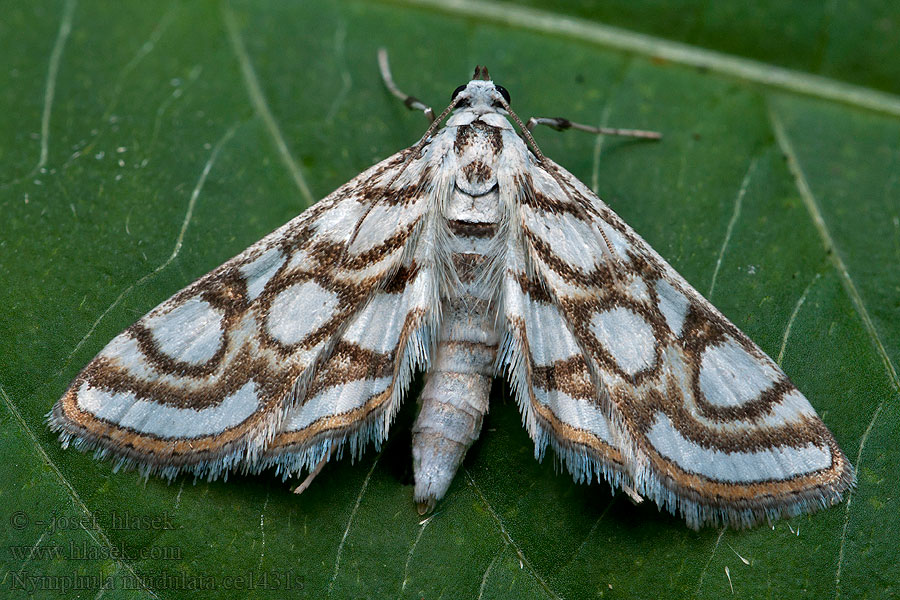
312	475
560	124
633	496
411	102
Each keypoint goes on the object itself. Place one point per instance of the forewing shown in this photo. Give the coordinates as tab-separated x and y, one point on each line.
205	380
710	427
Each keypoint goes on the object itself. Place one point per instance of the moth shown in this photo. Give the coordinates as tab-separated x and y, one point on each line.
469	255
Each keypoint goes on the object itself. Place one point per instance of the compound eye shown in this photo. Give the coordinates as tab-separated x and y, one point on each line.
456	92
503	93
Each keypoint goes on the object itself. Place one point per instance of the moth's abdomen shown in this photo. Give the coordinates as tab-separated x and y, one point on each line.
458	386
455	397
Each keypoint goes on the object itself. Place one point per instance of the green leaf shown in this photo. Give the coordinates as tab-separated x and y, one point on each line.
140	147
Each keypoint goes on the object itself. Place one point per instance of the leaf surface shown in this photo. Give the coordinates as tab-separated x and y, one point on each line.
142	147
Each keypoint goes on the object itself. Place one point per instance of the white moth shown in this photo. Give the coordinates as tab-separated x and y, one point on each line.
469	255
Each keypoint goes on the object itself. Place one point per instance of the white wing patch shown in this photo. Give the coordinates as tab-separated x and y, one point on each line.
779	462
334	400
731	376
545	325
576	413
565	233
627	337
300	310
372	232
673	305
260	271
617	240
143	416
332	225
379	325
192	331
637	290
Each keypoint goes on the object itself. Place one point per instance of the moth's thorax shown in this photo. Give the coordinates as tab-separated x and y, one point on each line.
479	125
477	148
473	210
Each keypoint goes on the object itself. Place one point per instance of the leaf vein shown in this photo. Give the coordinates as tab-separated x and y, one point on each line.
143	50
261	105
816	214
412	550
669	51
818	220
790	323
508	538
735	215
62	35
706	566
862	444
179	240
70	489
362	491
487	571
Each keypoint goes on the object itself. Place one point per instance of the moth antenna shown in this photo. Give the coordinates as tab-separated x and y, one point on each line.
411	102
561	124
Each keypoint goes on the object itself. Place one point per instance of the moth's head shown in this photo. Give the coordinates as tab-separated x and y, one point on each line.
481	95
